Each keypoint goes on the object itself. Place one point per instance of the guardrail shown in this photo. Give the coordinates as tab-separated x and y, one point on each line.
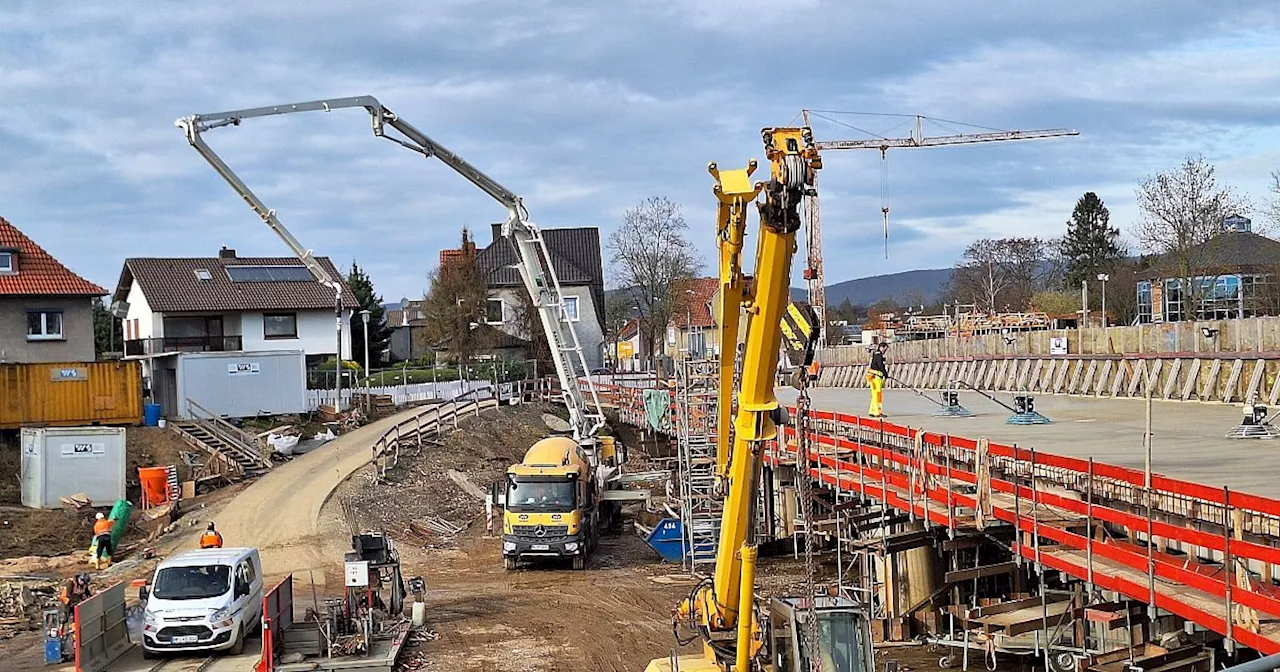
386	450
1167	544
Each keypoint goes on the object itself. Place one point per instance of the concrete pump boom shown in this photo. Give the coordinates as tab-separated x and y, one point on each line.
539	279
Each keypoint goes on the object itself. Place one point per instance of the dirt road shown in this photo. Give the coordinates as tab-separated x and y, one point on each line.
280	512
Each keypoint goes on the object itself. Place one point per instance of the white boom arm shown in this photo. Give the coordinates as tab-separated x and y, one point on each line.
539	278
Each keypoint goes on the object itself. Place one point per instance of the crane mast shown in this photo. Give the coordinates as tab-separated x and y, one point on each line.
814	275
539	279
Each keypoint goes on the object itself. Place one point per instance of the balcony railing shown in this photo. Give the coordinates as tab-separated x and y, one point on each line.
153	346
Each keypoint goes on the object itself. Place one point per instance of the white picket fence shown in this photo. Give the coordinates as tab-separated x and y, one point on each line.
415	393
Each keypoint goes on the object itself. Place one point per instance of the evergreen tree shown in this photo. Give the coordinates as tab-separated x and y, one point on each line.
379	333
1091	245
103	326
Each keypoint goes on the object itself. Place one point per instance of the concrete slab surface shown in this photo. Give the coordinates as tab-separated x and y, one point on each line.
1188	437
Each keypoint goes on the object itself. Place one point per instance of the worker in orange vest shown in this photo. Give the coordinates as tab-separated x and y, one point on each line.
211	538
102	536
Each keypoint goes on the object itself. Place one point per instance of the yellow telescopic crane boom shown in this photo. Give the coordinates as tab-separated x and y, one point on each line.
723	610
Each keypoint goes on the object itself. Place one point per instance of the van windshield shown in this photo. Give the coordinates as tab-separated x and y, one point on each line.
541	495
192	583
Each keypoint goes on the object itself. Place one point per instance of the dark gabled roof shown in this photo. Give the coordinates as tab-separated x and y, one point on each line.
171	285
1227	252
38	273
575	257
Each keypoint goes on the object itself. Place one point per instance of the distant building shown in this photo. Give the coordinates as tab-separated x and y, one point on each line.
46	311
1235	277
407	322
692	332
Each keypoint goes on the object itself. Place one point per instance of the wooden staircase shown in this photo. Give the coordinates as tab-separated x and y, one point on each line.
235	453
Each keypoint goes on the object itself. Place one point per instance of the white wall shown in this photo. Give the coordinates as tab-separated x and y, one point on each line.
315	334
149	326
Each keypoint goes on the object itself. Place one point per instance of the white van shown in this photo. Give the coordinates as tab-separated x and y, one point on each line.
206	600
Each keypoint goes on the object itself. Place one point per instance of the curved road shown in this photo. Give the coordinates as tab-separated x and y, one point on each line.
280	512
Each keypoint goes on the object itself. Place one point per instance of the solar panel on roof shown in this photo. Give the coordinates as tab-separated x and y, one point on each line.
269	274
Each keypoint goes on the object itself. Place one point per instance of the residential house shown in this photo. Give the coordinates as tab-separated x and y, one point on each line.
575	257
1234	276
693	331
230	303
406	322
46	311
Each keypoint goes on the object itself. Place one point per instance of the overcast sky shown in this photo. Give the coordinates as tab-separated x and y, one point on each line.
587	108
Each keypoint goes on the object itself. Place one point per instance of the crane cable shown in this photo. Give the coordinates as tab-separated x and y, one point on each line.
884	195
806	514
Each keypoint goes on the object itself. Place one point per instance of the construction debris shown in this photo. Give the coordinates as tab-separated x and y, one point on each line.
22	604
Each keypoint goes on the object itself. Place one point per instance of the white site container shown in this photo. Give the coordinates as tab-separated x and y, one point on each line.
62	461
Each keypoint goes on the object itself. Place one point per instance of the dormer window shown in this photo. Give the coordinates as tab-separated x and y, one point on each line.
8	262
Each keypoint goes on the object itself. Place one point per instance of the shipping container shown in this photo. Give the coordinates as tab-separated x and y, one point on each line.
230	384
61	461
70	394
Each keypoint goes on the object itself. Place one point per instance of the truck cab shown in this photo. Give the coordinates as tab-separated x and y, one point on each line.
551	505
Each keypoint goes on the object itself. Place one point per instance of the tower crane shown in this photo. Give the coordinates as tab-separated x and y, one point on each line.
814	275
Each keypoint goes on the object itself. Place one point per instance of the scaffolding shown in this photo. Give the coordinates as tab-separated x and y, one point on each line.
697	383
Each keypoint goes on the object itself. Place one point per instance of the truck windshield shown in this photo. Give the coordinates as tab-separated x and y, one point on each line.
192	583
541	495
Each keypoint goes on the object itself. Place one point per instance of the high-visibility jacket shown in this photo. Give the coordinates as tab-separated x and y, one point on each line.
211	539
101	527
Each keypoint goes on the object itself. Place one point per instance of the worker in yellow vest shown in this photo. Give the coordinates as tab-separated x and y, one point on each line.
211	538
877	372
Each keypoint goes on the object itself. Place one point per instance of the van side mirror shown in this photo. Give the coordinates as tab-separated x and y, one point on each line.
143	593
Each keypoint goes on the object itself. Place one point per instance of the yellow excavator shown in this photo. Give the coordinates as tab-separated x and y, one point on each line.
811	632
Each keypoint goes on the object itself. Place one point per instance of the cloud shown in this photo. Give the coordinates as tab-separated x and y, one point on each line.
585	109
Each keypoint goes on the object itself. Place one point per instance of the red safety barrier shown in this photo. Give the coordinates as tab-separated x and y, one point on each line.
882	462
277	616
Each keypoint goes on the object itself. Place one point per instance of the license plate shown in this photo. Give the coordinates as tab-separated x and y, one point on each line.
541	547
185	639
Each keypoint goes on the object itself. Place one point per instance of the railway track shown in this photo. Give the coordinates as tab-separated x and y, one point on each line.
182	665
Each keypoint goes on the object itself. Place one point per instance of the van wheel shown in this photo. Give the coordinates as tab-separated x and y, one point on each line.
238	648
579	562
508	562
148	654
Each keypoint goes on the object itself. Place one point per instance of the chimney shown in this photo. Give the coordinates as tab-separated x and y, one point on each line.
226	253
497	231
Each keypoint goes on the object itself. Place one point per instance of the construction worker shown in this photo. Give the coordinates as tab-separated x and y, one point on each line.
102	537
877	372
211	538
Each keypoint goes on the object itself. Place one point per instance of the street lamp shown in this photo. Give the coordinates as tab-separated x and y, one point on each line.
1103	278
688	324
364	316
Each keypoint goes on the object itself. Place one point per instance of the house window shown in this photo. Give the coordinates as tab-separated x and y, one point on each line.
44	325
1144	302
494	313
280	325
1173	301
6	262
571	308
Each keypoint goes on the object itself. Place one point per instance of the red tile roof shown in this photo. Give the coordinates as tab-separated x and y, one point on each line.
39	274
696	306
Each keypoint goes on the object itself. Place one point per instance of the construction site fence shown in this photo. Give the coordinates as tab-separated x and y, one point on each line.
1247	337
1164	541
1208	378
277	616
101	630
425	425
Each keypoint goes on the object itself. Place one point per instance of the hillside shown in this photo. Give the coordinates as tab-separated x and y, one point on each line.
924	285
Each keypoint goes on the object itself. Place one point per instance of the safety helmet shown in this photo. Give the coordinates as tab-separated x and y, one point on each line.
210	528
100	516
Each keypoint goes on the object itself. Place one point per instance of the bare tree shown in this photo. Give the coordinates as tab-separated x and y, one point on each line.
1273	209
649	253
1000	274
1182	212
455	305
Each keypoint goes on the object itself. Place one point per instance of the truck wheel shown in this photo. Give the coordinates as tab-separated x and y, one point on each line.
579	562
508	562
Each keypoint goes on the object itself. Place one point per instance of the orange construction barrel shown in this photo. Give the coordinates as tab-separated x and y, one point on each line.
155	485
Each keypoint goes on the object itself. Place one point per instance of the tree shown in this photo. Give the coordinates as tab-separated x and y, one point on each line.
455	305
379	333
1000	274
1273	210
1181	214
1091	245
104	324
617	310
649	254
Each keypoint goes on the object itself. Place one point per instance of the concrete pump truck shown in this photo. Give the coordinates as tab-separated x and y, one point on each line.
810	632
567	488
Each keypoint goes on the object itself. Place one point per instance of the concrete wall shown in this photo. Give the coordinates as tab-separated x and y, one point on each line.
1249	337
76	345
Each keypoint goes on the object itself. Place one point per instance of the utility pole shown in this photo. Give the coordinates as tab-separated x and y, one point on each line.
1103	278
364	315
